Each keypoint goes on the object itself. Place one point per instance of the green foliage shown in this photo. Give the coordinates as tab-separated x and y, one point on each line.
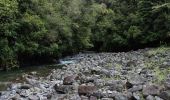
52	28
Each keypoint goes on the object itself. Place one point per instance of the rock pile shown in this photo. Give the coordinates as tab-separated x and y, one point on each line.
99	76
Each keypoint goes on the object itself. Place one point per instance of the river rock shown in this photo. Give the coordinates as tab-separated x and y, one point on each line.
84	97
84	89
16	97
121	97
136	96
63	89
165	64
93	98
69	80
25	86
74	97
167	84
135	88
151	90
158	98
149	97
106	99
165	95
33	97
136	79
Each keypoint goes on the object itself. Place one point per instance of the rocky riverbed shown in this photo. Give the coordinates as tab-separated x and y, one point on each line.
134	75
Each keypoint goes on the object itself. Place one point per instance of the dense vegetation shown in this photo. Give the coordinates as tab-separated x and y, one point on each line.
50	28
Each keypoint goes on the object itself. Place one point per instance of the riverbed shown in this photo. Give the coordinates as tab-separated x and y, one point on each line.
135	75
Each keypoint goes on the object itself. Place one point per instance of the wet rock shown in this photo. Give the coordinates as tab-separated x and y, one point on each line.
165	95
84	89
151	90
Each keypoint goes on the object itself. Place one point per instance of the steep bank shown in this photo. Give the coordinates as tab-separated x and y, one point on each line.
135	75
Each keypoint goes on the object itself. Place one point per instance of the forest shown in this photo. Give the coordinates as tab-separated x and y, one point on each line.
43	30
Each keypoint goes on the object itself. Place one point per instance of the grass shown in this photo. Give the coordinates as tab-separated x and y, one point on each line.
160	74
159	50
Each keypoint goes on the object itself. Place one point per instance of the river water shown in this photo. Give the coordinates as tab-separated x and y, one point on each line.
15	75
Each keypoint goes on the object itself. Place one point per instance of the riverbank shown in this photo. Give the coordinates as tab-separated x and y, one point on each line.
134	75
